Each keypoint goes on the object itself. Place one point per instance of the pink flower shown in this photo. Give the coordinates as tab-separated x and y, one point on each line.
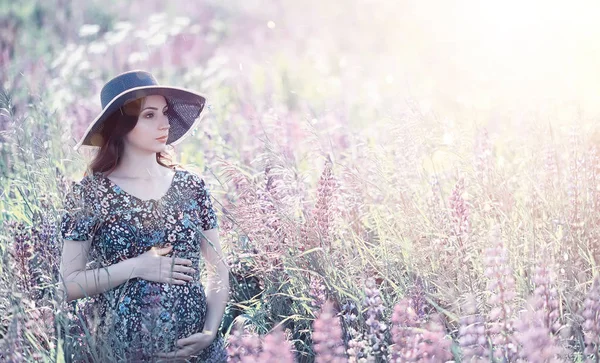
414	341
276	348
591	324
327	337
471	333
243	346
501	285
322	216
537	343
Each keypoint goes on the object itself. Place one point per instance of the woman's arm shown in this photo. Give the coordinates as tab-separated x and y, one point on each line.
78	282
217	292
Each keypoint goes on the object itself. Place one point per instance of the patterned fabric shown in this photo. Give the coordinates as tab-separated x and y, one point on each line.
140	317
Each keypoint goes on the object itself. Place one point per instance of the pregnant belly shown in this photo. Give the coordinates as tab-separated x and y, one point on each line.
186	307
151	317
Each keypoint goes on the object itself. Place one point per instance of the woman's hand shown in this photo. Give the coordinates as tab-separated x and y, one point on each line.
188	347
153	266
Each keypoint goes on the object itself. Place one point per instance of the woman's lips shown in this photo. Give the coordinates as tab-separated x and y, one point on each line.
162	139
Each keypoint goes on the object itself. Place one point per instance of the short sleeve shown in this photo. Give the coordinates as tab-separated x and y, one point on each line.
78	220
207	211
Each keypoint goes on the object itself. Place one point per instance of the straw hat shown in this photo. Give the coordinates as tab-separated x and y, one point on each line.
184	106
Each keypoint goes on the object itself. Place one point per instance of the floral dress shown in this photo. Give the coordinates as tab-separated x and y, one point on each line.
139	318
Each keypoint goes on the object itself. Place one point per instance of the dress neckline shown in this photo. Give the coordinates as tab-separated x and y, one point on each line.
117	188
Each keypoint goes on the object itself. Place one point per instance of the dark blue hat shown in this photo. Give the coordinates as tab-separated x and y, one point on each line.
184	106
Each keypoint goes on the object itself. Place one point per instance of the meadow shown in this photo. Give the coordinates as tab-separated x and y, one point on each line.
385	192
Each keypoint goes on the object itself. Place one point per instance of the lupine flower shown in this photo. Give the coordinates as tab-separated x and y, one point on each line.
483	156
327	337
276	348
592	180
358	349
434	347
472	339
317	292
591	324
471	334
243	347
250	218
501	285
46	245
435	203
22	255
271	214
546	298
323	213
247	207
537	343
459	214
349	312
574	182
404	334
414	341
376	328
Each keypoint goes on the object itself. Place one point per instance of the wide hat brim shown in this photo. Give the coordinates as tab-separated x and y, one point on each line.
185	111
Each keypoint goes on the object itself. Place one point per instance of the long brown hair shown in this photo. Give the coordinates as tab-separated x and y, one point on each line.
113	132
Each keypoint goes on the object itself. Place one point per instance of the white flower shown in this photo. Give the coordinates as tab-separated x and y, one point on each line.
88	29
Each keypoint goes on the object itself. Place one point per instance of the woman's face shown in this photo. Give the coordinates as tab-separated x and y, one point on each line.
152	124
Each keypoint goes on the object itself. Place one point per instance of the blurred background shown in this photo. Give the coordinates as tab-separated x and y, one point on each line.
514	68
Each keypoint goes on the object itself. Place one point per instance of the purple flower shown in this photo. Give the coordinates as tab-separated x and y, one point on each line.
501	285
591	324
537	343
242	346
414	341
376	328
276	348
471	334
327	337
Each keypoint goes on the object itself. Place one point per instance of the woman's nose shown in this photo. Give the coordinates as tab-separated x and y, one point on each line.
165	123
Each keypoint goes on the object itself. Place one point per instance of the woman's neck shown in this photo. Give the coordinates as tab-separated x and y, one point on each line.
139	165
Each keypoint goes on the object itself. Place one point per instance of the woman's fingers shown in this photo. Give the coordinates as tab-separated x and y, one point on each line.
163	250
188	270
174	281
183	261
181	276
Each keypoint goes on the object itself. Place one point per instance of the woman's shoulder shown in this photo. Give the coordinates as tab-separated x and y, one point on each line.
86	185
193	181
88	181
78	191
191	175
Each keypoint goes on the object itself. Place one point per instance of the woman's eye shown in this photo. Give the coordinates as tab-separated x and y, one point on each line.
149	115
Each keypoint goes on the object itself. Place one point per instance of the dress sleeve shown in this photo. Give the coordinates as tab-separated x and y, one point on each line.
207	211
78	220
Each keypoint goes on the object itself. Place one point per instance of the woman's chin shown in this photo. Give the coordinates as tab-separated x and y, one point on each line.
157	149
160	146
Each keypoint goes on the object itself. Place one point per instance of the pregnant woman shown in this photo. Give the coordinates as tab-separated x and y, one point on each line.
149	226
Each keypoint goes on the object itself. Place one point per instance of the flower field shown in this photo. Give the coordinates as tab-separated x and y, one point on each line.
392	184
